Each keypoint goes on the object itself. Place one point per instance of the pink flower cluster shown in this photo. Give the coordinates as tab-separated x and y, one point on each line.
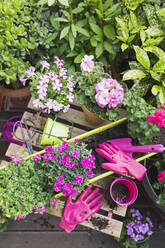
16	158
161	175
40	210
159	117
109	92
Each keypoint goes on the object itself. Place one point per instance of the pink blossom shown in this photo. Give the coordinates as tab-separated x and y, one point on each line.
46	157
79	180
19	217
66	108
75	154
30	72
52	202
76	140
91	157
69	190
70	164
57	187
116	98
102	98
63	159
23	81
56	207
20	199
87	64
65	145
90	173
60	180
161	175
58	149
51	156
158	117
37	157
48	149
70	97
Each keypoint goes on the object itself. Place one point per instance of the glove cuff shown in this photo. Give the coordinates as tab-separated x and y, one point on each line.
66	226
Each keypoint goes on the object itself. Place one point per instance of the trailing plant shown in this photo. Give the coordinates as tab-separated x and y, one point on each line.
51	87
68	167
136	231
97	90
137	111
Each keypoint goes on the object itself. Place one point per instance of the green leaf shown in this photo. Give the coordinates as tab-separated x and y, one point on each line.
108	47
155	89
93	42
74	30
142	36
155	76
71	54
78	59
42	2
122	38
109	31
142	57
153	42
96	29
77	10
82	31
154	31
51	2
162	12
64	2
50	38
71	41
159	66
133	74
133	19
156	50
99	50
60	19
64	32
124	46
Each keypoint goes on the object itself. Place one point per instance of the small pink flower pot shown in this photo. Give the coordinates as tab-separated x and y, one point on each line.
123	191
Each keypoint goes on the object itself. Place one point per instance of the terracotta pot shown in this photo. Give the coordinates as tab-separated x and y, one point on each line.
17	98
91	117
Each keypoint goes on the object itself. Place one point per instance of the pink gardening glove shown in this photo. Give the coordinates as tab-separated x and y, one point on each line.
85	206
121	162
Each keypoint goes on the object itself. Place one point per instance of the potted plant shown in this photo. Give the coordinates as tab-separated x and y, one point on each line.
65	168
51	87
136	231
97	91
19	39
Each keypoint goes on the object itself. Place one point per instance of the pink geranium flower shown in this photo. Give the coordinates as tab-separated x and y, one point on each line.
161	175
102	98
87	64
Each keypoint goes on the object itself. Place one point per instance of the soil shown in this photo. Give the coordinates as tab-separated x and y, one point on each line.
99	222
120	192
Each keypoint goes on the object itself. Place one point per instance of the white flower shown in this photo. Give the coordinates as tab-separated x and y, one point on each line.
70	97
45	64
87	64
37	103
66	108
30	72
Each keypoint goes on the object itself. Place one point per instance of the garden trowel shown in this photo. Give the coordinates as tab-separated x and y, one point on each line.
125	145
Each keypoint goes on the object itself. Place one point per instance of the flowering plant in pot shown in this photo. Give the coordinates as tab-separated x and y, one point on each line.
51	87
96	90
65	168
136	231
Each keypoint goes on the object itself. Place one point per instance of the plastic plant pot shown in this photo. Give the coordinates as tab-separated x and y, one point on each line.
123	191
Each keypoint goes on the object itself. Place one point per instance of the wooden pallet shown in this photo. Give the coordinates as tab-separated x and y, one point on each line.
81	126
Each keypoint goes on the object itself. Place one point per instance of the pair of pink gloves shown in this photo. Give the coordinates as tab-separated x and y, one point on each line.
120	161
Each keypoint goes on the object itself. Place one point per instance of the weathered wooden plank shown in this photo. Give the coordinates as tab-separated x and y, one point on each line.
3	164
13	148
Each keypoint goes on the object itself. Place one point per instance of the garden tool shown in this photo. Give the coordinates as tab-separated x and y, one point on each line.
26	135
120	161
125	145
84	207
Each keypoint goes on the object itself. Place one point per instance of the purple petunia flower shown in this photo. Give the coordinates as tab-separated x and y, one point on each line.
65	145
90	173
48	149
57	187
60	180
75	154
79	180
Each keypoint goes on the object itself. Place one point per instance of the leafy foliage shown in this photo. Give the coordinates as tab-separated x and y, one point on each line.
137	111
